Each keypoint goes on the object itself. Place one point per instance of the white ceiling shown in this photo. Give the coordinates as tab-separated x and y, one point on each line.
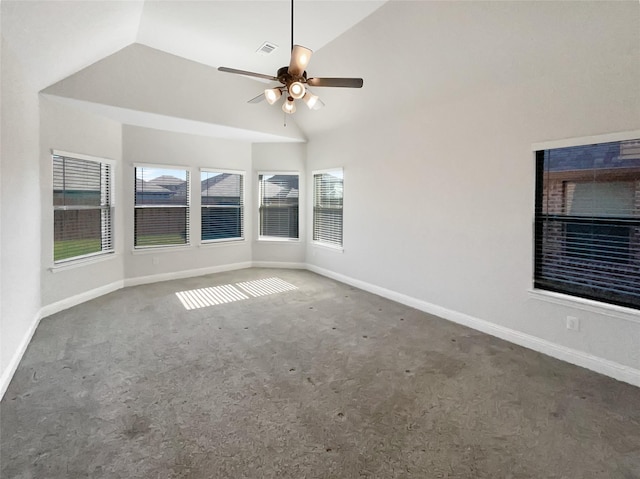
435	50
228	33
54	39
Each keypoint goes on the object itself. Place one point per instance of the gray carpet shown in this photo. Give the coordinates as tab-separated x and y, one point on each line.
324	381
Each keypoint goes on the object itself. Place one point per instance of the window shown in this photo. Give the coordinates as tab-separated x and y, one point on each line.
327	207
587	225
278	205
161	207
222	197
82	208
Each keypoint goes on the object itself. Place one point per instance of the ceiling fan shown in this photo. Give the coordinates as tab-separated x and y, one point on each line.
294	80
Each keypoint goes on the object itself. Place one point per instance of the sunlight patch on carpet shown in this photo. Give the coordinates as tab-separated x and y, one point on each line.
201	298
263	287
228	293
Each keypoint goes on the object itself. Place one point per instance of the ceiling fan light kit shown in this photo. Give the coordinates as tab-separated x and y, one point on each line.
294	80
289	106
272	95
311	101
296	90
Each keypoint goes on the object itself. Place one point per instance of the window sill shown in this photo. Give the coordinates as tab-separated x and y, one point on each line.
612	310
162	249
336	249
275	239
223	242
79	263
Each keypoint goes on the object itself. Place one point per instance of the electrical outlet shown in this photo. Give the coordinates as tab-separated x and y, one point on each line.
573	323
155	260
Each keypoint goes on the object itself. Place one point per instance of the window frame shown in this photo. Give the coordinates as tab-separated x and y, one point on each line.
243	226
590	302
104	253
276	239
325	244
187	170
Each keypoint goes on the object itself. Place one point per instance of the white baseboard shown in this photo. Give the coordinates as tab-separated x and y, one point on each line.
10	370
579	358
67	303
45	311
190	273
612	369
278	265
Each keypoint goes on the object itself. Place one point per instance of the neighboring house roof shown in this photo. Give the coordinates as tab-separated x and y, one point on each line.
273	190
222	185
166	180
289	180
148	187
281	186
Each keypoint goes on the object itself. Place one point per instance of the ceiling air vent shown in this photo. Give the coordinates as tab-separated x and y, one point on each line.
266	48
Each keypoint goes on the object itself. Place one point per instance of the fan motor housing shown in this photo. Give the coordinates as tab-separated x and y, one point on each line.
286	79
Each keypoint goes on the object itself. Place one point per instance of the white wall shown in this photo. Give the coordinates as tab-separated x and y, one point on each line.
439	177
439	191
155	147
74	131
19	214
273	158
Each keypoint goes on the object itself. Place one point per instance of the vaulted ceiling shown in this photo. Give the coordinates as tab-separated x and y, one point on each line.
154	63
54	40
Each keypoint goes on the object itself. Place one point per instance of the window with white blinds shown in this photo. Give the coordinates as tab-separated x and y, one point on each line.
222	200
327	207
161	207
278	194
82	209
587	221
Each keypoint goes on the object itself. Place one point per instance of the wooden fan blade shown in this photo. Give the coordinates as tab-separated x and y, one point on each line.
336	82
257	99
300	57
246	73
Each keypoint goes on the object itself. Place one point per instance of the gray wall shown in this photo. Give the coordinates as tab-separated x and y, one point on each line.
19	213
155	147
452	146
74	131
439	192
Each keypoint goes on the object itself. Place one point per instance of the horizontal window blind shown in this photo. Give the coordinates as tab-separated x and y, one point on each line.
327	207
278	205
587	221
82	208
222	199
161	207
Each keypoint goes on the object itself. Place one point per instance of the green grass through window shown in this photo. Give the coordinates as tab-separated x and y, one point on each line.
65	249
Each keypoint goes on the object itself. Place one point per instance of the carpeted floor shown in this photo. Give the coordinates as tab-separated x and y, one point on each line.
321	381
